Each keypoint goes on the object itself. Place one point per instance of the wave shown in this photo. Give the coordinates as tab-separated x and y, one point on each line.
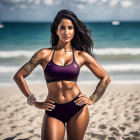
122	67
11	69
6	69
117	51
101	51
110	68
9	54
118	68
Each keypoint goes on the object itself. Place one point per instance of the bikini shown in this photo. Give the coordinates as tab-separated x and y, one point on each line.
54	72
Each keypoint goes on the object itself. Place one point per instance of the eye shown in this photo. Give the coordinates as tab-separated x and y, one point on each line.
70	27
62	27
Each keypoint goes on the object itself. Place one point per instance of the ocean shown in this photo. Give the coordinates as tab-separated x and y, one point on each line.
116	48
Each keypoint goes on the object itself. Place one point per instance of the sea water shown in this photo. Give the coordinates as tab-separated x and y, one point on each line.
116	49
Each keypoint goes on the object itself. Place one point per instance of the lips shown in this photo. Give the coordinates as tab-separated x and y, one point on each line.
66	37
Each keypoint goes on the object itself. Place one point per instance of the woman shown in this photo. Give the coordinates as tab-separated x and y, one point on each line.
71	49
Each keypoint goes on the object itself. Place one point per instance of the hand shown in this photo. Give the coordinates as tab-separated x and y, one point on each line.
83	99
47	105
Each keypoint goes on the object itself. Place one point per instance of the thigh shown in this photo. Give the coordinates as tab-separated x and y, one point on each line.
77	125
52	128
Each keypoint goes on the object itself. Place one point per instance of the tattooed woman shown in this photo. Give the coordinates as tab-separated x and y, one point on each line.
65	104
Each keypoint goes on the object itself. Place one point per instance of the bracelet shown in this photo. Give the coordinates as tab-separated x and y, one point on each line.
31	99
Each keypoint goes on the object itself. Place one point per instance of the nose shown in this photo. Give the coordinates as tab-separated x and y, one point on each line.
66	31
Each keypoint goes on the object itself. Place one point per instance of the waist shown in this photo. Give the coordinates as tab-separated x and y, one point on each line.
62	97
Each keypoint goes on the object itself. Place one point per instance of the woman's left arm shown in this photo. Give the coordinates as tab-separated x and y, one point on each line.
100	73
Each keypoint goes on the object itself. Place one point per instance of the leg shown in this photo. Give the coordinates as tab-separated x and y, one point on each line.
52	129
77	125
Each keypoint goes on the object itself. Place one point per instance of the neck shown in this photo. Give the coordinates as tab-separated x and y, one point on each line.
66	47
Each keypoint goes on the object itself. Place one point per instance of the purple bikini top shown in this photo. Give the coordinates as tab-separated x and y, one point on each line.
54	72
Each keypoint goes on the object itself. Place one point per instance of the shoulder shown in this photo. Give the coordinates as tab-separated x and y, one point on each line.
83	54
83	57
86	57
44	50
42	53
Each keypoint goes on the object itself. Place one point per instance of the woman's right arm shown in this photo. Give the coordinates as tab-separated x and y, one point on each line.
24	71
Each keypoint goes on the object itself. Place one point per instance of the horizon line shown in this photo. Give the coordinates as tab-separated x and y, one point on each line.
52	21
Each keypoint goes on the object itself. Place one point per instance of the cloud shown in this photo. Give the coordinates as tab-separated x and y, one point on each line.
80	6
58	2
104	1
36	2
126	3
14	1
113	2
84	1
48	2
89	9
29	1
22	6
92	1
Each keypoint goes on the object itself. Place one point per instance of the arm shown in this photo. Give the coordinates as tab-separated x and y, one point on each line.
25	71
100	73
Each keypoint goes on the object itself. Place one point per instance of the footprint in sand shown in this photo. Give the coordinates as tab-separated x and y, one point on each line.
113	129
122	128
104	113
111	138
136	118
102	126
98	136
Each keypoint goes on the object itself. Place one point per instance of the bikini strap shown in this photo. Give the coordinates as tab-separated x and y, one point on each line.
73	53
53	54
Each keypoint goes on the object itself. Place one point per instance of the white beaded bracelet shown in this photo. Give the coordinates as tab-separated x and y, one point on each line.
31	99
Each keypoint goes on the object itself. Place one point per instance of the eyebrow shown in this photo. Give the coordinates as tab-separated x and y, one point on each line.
64	26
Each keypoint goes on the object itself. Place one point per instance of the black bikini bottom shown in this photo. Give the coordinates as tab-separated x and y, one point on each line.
65	111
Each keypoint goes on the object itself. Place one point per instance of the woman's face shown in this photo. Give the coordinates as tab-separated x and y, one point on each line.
65	30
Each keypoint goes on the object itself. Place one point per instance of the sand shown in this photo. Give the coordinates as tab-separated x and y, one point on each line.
116	116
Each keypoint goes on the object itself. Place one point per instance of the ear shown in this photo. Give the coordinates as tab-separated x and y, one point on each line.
56	32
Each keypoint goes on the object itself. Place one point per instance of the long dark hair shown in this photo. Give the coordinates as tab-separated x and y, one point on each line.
82	37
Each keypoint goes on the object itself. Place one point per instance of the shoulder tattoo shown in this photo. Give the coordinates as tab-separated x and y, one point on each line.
29	66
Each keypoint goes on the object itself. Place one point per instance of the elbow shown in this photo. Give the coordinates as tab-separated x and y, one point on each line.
108	79
16	77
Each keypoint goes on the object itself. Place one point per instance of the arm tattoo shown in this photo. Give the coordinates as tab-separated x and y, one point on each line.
29	66
98	93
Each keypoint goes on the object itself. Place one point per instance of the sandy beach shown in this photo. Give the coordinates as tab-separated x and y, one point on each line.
116	116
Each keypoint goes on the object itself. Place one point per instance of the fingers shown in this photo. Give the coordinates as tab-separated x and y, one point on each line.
49	105
49	100
81	100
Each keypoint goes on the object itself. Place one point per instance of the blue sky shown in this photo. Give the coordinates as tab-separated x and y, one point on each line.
86	10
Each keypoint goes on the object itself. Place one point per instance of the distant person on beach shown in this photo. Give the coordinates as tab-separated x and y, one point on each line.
71	46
